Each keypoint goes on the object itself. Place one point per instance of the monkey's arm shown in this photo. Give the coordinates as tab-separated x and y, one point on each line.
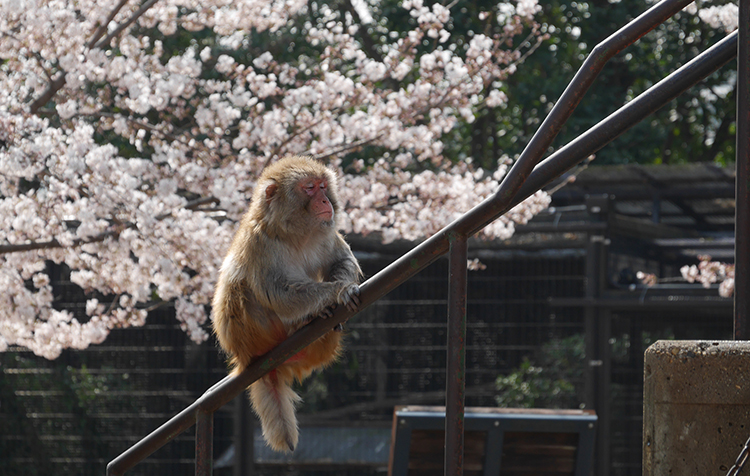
345	271
295	297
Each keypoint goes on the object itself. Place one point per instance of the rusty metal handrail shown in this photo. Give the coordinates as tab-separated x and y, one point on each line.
628	115
524	178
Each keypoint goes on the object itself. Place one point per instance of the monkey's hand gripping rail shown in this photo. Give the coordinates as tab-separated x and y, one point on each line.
525	178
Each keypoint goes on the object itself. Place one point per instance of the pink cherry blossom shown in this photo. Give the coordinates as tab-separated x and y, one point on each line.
131	164
706	272
709	272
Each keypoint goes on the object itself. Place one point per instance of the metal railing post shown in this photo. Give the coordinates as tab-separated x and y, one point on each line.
204	443
742	195
244	459
456	359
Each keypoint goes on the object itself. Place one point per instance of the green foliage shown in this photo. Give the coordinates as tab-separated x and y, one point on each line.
698	126
531	387
547	382
87	387
695	127
59	390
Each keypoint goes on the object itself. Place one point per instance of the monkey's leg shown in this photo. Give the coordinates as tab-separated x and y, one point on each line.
319	354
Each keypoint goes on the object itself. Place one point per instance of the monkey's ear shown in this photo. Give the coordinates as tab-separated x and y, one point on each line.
271	190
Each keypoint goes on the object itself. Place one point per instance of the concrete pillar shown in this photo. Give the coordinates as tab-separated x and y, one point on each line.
696	407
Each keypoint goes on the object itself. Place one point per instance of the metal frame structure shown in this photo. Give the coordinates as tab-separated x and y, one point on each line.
526	176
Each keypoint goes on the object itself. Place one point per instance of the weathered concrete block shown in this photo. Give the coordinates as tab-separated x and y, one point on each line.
696	406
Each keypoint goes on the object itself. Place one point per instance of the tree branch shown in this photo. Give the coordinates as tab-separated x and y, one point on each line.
103	27
59	82
131	20
54	244
345	147
368	43
54	86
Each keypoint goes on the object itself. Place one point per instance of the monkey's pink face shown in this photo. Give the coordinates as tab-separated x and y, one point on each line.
319	206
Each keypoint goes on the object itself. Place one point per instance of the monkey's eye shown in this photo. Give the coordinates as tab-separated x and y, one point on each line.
323	185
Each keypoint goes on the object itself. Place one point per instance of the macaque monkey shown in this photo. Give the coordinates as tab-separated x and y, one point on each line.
287	264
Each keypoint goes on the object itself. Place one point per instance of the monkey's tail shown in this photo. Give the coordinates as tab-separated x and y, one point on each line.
274	401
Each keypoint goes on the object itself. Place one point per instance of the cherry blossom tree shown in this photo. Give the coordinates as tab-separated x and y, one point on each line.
131	133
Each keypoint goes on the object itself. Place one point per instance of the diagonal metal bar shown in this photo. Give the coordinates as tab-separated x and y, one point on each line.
470	223
515	188
627	116
578	86
218	395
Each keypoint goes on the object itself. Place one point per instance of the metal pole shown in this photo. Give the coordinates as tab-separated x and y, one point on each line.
456	361
742	197
243	438
597	332
204	443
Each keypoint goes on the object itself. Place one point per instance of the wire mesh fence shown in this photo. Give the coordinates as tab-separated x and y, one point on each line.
72	415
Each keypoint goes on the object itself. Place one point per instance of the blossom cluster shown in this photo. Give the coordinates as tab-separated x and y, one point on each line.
128	153
724	16
709	272
402	205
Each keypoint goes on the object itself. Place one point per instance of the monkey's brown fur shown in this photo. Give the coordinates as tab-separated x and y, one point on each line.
287	263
